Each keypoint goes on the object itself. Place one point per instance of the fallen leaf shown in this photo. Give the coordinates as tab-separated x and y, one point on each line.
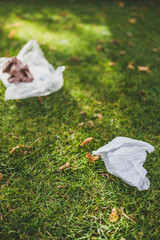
154	49
91	158
132	20
99	116
87	140
134	14
133	8
100	41
75	59
63	14
112	64
130	65
144	8
12	33
131	44
125	215
81	124
115	41
143	69
99	48
61	186
129	34
40	99
106	175
6	55
113	216
64	166
90	124
1	176
18	146
122	53
121	4
141	93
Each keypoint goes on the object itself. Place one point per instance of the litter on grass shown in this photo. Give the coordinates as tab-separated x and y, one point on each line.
124	158
45	78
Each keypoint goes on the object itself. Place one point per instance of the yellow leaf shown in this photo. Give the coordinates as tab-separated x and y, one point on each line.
132	20
130	65
113	216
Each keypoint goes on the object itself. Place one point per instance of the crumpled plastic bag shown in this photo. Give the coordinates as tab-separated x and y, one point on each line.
46	78
124	157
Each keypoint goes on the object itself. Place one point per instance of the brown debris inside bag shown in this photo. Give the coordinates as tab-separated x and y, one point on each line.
18	70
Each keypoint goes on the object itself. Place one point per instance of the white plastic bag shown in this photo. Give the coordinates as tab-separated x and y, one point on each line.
46	78
124	158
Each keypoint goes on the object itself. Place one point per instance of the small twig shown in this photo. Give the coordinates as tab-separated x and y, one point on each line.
127	216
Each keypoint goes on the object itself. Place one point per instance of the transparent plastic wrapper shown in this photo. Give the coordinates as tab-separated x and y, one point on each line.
124	158
45	78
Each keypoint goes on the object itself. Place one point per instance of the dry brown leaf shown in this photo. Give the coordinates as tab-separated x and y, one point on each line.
99	116
1	176
144	8
87	140
81	124
154	49
91	158
75	59
133	8
40	99
99	48
63	14
90	124
121	4
100	41
131	44
112	64
141	93
129	34
132	20
143	69
115	41
61	186
64	166
125	215
18	146
106	175
130	65
12	33
122	53
113	216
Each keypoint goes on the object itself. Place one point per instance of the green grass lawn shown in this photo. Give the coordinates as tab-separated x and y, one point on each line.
79	35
